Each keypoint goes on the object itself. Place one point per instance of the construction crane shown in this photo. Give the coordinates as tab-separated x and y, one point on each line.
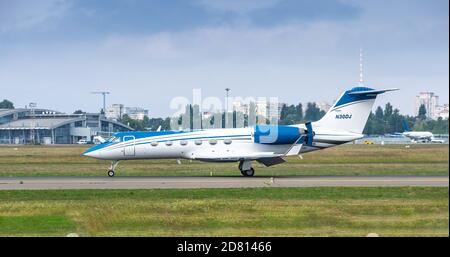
104	93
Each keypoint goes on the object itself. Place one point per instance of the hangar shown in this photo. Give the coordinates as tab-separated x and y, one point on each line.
43	126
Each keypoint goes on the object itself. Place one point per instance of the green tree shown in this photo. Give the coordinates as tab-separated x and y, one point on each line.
420	125
5	104
135	124
388	111
440	126
395	122
313	113
422	112
79	112
379	114
299	112
283	112
379	121
369	128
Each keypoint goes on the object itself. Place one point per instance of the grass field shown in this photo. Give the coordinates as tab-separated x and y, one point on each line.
341	160
388	211
401	211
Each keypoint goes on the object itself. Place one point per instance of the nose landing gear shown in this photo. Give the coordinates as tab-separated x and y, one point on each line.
246	168
112	167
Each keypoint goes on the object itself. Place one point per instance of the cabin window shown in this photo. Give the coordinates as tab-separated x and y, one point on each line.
128	138
198	142
212	142
183	142
227	141
169	143
154	143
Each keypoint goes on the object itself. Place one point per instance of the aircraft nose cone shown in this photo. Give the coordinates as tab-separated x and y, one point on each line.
94	152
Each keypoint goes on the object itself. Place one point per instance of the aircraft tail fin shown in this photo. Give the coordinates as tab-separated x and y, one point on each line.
406	126
351	110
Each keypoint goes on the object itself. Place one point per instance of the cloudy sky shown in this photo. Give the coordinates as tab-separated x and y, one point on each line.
55	52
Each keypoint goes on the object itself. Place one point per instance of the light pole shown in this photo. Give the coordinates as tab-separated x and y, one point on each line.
226	102
32	131
104	93
227	122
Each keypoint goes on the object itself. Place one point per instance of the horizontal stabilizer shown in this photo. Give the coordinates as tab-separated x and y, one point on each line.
374	92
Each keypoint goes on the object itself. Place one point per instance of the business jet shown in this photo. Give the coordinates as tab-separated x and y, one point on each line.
419	136
266	144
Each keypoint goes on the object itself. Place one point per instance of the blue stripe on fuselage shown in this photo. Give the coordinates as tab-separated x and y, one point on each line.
99	146
144	134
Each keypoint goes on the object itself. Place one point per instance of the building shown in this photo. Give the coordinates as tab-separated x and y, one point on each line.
441	111
136	113
261	107
273	111
323	106
269	109
42	126
238	106
115	111
429	100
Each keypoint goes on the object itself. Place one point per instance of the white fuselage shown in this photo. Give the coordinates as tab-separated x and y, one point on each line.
419	135
219	145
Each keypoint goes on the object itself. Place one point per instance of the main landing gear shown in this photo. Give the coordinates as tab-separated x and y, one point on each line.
246	168
112	167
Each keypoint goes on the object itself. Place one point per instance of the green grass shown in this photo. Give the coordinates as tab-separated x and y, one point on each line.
341	160
397	211
23	225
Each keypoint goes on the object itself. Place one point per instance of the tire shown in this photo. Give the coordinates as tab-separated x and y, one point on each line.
248	173
110	173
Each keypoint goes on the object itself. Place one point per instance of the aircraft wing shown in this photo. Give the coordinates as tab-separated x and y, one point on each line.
266	158
270	161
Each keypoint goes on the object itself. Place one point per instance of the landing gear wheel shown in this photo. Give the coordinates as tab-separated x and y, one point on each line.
248	173
111	168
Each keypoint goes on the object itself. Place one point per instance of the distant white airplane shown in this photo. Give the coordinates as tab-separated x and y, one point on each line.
419	136
266	144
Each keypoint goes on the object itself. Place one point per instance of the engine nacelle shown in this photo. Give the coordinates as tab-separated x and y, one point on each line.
276	135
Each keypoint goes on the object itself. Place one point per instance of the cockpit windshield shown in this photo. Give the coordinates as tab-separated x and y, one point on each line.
113	140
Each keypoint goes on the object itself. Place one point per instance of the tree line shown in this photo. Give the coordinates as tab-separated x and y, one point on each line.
390	121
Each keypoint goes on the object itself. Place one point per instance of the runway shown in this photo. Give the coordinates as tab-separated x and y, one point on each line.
40	183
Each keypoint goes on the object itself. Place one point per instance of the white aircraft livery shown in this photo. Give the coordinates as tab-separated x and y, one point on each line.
419	136
266	144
